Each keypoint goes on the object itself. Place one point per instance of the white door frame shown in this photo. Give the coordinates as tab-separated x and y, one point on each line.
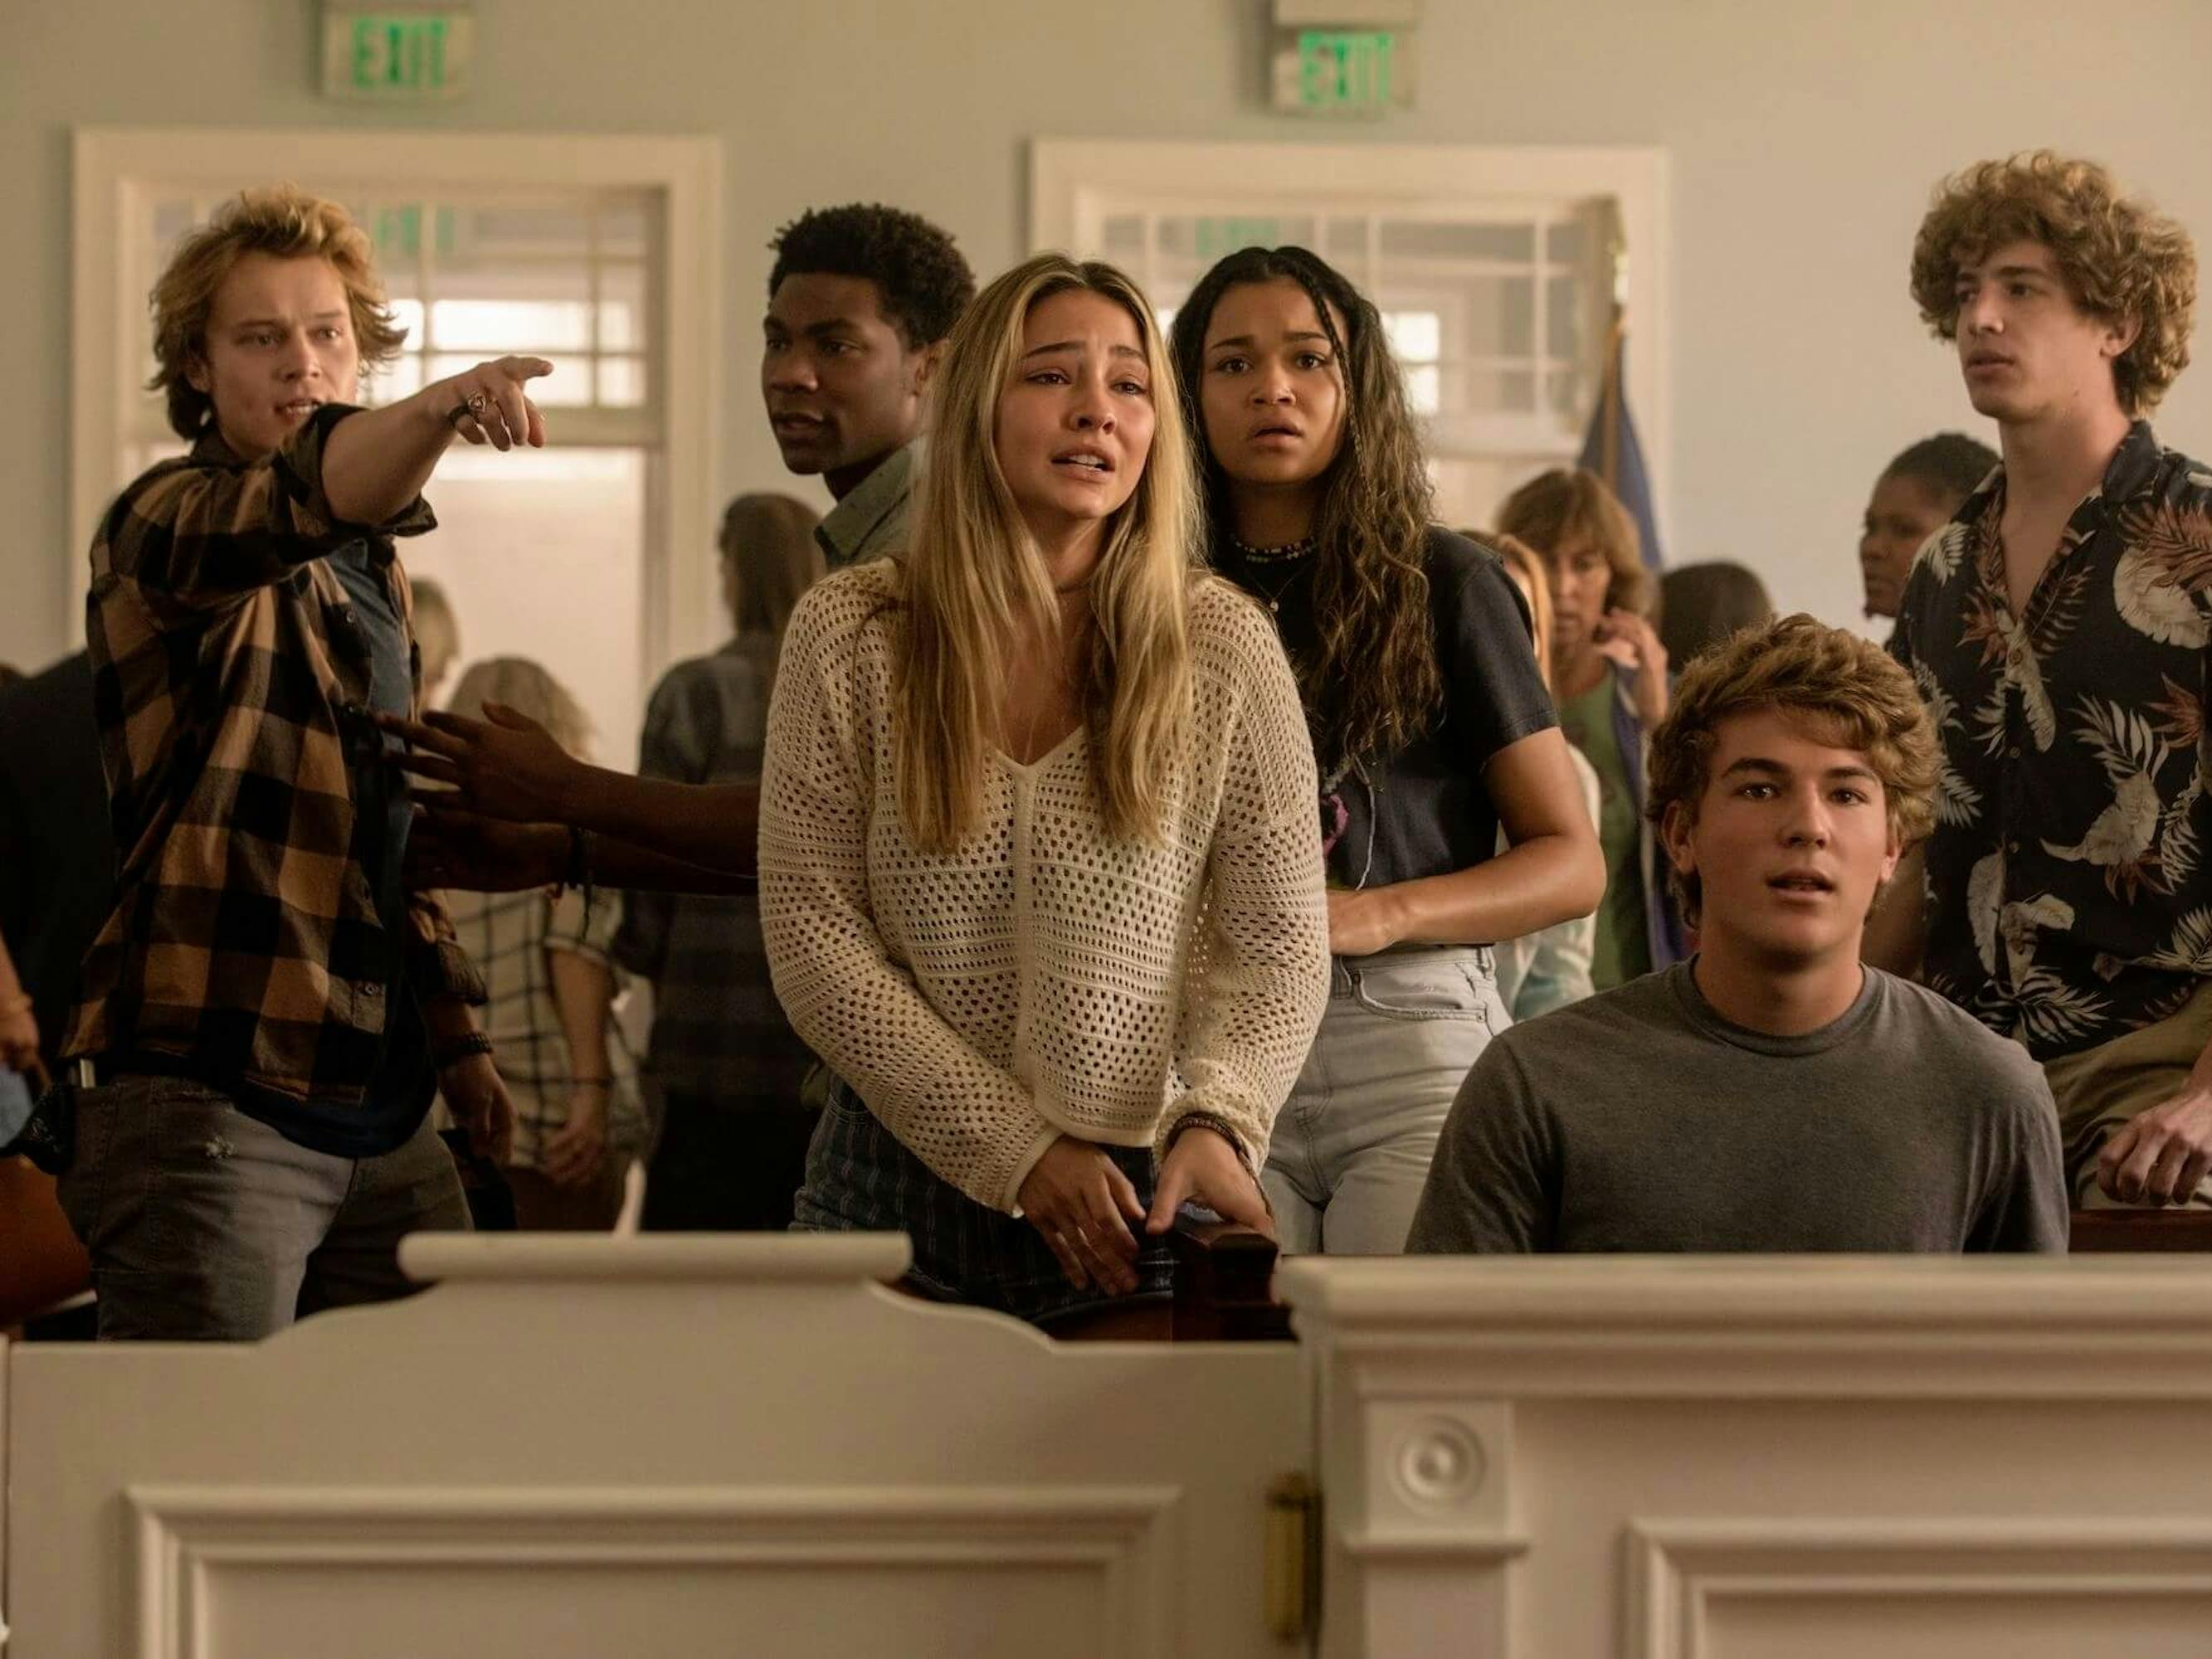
1074	183
118	168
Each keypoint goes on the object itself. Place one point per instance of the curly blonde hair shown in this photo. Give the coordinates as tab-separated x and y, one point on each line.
2119	257
280	220
1850	688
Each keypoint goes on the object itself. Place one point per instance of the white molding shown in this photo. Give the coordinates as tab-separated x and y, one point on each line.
1677	1569
183	1535
1752	1327
1069	177
113	167
1419	1520
789	1258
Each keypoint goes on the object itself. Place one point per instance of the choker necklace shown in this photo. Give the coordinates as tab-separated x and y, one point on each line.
1283	554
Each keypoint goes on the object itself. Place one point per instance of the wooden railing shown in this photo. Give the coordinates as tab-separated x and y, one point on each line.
2099	1232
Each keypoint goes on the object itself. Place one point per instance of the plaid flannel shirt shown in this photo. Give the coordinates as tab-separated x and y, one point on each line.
231	685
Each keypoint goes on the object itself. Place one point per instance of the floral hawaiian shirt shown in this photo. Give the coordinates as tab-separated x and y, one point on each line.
2069	899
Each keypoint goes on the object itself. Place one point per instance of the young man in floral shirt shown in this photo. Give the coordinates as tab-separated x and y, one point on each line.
2057	628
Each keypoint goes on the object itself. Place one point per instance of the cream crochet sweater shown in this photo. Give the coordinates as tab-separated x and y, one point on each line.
1043	979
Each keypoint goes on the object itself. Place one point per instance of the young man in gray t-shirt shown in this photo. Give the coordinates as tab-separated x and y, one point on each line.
1770	1093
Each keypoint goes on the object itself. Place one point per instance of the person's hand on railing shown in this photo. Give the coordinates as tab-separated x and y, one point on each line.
1202	1165
1082	1204
2160	1156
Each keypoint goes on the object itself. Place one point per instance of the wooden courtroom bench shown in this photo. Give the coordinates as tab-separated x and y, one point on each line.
2099	1232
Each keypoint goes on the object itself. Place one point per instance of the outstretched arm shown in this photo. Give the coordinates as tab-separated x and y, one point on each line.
508	767
450	847
376	462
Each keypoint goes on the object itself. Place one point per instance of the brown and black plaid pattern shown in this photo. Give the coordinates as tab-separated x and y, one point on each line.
231	681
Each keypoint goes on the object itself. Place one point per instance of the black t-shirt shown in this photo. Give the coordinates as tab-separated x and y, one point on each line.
1425	810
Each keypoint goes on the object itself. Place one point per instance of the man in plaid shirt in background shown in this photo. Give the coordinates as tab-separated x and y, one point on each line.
268	1011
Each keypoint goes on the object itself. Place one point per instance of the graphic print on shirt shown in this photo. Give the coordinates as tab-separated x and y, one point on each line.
2067	886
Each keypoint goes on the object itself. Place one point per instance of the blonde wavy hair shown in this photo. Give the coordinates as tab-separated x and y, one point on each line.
280	220
2119	257
974	582
1849	687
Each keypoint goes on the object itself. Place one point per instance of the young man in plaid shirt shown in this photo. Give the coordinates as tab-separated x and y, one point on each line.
268	1011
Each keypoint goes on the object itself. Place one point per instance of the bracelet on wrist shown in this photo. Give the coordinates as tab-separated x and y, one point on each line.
458	1049
1220	1125
578	874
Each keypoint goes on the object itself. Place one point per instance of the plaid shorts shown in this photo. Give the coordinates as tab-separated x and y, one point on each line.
860	1178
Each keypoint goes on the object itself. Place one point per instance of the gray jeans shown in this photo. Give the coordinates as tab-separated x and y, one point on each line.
205	1225
1353	1145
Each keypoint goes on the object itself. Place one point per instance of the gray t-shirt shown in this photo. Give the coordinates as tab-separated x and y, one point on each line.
1640	1119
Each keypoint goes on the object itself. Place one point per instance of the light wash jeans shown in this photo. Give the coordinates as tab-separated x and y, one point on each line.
205	1225
1353	1145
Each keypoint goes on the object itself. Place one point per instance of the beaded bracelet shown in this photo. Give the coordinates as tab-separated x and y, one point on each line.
1220	1125
579	872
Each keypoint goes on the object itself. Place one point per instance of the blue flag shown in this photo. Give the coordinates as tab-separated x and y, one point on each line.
1610	449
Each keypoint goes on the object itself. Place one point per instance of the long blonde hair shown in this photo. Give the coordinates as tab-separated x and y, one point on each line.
974	582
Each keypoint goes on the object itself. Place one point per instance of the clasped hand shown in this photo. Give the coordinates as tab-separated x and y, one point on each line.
1083	1205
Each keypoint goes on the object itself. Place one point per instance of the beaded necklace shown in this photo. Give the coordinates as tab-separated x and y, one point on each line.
1288	558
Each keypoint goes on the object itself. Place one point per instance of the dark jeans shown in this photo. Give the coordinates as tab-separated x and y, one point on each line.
860	1178
205	1225
717	1170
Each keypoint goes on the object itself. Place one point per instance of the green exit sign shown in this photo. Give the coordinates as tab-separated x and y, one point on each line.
1344	68
403	53
1343	71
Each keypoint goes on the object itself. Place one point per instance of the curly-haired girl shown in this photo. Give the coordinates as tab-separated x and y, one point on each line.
1430	727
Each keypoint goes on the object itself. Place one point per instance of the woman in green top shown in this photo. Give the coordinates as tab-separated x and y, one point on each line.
1609	680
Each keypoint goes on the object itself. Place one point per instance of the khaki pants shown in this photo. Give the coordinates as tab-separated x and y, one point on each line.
2100	1088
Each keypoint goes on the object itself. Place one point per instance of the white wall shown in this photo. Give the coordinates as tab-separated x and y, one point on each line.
1804	139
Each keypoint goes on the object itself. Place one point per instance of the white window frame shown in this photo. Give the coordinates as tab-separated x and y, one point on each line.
119	171
1076	184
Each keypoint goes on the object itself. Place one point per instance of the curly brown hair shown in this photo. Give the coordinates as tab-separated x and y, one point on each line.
1372	685
2120	259
280	220
1850	687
